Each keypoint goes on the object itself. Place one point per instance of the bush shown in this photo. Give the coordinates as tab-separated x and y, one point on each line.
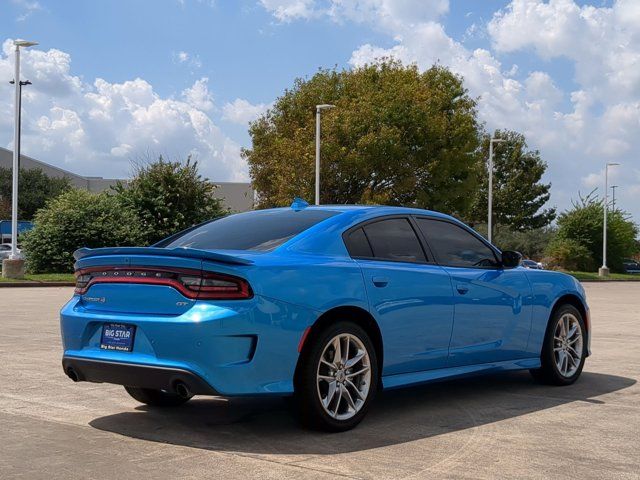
584	223
569	254
77	219
169	197
531	243
35	189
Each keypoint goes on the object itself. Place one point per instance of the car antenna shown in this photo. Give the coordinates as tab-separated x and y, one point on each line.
299	204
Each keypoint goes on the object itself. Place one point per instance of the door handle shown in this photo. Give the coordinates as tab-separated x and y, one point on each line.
462	289
380	281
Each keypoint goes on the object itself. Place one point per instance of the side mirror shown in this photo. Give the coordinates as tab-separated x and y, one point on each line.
511	259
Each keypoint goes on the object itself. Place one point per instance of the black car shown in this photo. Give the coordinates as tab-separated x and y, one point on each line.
631	266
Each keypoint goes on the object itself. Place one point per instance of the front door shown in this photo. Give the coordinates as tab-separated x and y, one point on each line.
492	318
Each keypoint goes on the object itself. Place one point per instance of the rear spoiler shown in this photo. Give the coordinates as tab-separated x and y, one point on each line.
162	252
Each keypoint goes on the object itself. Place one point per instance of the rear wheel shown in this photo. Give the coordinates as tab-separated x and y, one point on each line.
565	348
156	398
337	378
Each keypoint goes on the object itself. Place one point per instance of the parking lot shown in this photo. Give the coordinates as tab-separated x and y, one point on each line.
490	427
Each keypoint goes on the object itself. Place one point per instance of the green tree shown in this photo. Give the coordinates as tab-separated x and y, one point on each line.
77	219
583	225
531	243
35	188
396	136
518	193
169	197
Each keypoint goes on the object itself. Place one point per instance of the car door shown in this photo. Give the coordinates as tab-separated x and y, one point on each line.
492	317
409	295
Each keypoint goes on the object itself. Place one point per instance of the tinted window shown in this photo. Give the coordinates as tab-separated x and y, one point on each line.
394	239
259	230
358	245
454	246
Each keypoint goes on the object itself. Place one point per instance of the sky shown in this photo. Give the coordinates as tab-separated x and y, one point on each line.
116	81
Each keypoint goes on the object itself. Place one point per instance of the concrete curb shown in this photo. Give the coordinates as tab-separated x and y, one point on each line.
30	283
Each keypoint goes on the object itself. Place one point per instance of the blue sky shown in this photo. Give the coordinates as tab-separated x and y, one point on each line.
115	80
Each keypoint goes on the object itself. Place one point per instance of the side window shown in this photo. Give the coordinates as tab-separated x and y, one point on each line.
358	245
454	246
394	239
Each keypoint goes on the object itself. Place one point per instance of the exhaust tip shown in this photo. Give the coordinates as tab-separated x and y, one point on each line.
71	373
182	390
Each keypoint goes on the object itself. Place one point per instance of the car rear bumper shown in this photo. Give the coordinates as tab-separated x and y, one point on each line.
231	348
134	375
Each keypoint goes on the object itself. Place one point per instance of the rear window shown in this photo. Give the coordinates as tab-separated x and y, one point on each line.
260	230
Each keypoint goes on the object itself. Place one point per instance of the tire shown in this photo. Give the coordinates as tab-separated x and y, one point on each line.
335	395
156	398
560	364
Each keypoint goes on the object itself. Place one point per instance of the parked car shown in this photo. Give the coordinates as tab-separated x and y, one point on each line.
327	303
526	263
5	250
631	266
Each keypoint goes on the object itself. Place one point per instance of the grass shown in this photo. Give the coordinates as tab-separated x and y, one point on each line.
613	276
44	277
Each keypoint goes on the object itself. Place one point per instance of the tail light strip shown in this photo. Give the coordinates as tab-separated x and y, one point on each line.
192	284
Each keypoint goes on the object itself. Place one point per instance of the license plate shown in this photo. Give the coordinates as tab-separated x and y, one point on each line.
117	336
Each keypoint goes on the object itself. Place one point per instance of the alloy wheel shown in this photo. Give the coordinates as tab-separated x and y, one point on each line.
343	376
567	345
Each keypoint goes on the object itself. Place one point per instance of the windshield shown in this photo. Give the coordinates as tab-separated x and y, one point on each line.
260	230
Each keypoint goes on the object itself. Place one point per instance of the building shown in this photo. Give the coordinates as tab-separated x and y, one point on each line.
237	196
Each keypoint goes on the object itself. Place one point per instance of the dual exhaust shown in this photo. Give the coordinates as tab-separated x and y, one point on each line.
179	387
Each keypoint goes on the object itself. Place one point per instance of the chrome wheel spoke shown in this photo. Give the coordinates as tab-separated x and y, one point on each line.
359	372
330	393
352	361
348	397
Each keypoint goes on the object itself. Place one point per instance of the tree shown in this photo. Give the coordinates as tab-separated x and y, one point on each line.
396	136
583	225
169	197
77	219
531	243
518	193
35	189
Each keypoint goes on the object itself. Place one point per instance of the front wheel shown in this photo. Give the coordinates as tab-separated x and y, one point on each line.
156	398
565	348
337	378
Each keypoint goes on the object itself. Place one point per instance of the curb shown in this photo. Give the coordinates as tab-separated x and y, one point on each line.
31	283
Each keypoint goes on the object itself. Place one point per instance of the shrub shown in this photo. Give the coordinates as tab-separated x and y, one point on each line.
584	222
569	254
169	197
77	219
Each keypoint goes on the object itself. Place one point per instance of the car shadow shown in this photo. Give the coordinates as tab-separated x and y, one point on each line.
265	425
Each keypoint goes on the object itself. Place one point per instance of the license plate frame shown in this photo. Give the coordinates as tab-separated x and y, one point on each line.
118	337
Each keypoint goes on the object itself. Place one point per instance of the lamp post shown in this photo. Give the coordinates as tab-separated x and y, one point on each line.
319	109
490	206
604	270
13	267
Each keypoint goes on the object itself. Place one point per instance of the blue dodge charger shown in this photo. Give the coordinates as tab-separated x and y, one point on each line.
326	303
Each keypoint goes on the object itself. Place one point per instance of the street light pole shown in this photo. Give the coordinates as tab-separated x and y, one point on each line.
604	270
319	109
16	151
490	206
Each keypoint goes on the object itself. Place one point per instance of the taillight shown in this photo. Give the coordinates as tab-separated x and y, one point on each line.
191	283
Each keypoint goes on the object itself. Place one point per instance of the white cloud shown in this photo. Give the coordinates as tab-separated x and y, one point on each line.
97	128
242	112
288	10
28	7
185	58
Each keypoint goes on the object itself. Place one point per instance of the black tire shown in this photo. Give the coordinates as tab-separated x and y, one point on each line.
156	398
549	372
307	398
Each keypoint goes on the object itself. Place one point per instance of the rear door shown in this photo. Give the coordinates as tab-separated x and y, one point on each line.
492	316
409	295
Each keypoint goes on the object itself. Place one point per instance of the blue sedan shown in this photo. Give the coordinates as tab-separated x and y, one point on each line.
327	303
